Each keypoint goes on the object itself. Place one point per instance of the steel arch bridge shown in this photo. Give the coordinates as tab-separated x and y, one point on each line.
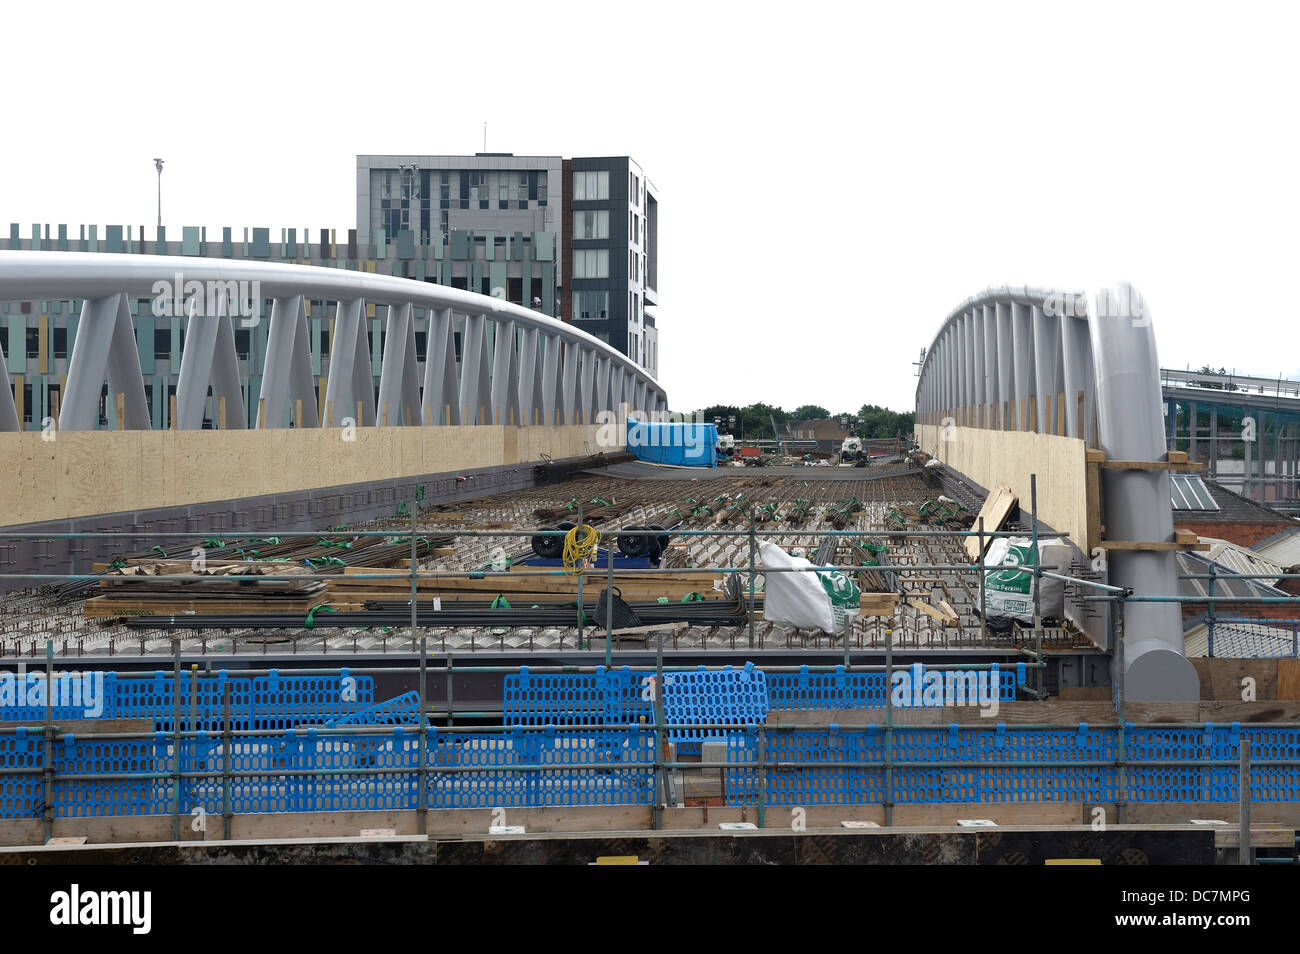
1083	367
516	366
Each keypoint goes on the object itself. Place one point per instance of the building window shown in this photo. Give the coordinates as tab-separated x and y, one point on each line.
590	305
591	224
591	263
591	185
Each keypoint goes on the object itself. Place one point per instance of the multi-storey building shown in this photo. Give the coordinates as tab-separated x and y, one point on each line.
577	238
493	224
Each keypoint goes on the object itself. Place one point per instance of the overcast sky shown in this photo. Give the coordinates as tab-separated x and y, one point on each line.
834	178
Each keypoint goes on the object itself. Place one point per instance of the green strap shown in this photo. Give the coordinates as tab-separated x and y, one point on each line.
693	598
313	562
500	602
310	621
601	501
160	550
343	544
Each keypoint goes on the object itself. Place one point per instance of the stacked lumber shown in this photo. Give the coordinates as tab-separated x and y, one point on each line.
231	577
227	587
350	588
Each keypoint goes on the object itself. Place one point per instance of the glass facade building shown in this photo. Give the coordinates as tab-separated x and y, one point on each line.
497	225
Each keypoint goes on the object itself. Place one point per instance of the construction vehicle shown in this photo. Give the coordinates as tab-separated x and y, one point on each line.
852	449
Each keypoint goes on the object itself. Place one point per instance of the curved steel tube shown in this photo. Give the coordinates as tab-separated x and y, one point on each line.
1006	359
567	387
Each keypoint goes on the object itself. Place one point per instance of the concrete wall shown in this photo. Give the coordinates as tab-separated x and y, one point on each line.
99	472
992	458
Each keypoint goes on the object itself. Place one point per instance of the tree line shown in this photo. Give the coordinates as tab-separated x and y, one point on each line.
755	421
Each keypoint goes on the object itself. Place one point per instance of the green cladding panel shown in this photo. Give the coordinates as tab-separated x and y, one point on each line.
405	244
144	341
543	246
16	347
459	245
497	280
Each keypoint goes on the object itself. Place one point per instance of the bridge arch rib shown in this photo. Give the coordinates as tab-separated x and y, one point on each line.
517	365
1083	367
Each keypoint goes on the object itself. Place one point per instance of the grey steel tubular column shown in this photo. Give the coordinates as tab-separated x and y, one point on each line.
273	399
552	397
1006	366
531	373
586	387
978	386
1022	348
1072	373
505	375
569	392
1138	505
349	375
475	393
1047	343
399	392
8	409
602	386
441	387
209	358
104	347
196	368
991	380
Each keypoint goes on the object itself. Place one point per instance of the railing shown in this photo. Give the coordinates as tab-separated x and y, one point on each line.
316	739
205	759
1230	386
516	366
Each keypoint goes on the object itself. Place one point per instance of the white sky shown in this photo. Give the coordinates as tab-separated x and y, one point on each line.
835	178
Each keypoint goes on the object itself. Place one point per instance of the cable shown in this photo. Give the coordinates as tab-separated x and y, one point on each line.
578	549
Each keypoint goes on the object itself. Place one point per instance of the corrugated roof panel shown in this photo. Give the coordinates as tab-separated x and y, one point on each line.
1196	564
1239	559
1188	492
1284	551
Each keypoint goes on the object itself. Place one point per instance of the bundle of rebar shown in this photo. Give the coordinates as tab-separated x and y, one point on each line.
457	613
841	512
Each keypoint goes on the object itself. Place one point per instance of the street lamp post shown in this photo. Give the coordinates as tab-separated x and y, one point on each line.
158	164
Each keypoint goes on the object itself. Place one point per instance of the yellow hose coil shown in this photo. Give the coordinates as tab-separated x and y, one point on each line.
580	545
